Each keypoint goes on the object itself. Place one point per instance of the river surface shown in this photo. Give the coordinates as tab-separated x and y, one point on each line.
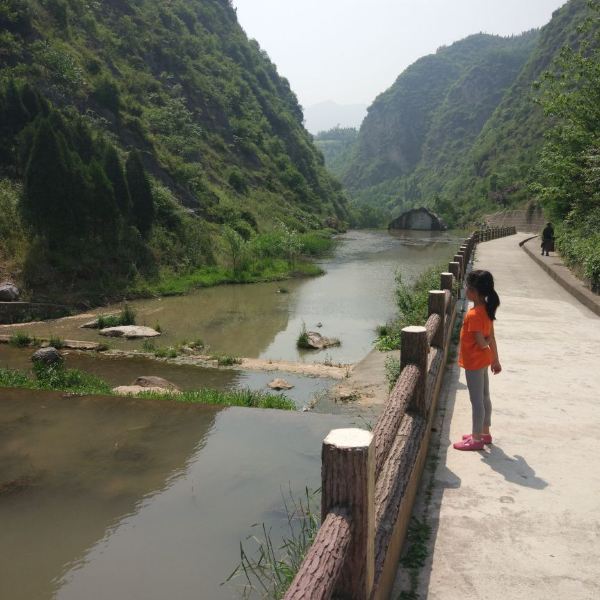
258	321
112	498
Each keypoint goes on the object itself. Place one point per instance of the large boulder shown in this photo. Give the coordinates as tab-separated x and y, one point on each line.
151	381
131	332
49	356
9	292
317	341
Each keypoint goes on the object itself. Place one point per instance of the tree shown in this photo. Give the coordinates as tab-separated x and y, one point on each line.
50	182
116	176
142	203
103	213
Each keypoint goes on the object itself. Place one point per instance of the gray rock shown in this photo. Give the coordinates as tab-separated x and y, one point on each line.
9	292
151	381
47	356
318	342
130	332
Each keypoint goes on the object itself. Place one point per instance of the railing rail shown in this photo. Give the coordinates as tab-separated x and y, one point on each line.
369	480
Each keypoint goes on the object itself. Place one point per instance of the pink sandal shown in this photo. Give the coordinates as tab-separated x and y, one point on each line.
486	438
469	444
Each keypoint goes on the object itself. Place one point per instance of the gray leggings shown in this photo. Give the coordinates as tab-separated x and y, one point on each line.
479	393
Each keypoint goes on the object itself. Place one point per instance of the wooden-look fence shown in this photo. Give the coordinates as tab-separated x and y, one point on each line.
370	479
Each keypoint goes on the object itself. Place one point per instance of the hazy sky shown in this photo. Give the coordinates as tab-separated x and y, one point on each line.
349	51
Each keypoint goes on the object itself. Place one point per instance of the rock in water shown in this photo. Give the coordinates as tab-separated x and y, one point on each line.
318	342
130	332
280	384
9	292
47	356
151	381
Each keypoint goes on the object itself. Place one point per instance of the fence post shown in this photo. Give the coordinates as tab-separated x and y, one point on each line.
446	281
461	266
437	306
348	481
414	350
454	268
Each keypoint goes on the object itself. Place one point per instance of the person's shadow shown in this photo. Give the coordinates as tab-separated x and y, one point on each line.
516	470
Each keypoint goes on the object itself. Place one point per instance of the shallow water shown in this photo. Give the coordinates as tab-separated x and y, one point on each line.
121	498
350	300
124	371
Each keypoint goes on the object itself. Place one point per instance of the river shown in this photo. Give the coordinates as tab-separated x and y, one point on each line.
120	498
258	321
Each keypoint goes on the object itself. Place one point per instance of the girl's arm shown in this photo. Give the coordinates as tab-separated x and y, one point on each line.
496	366
482	341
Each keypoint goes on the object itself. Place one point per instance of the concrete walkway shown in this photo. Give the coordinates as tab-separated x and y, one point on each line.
521	520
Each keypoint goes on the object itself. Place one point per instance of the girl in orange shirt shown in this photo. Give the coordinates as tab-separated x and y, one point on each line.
477	352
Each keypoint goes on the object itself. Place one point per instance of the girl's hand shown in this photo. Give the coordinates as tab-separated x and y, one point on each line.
496	367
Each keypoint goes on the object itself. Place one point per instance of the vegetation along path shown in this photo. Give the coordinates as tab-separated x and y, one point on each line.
520	519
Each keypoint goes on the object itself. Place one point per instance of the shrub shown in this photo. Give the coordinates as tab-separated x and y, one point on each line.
302	341
392	370
57	342
413	306
226	360
20	340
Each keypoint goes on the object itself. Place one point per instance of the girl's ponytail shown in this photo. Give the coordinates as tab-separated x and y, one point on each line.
492	302
483	283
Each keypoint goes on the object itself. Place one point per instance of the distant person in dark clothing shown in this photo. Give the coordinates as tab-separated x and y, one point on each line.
547	239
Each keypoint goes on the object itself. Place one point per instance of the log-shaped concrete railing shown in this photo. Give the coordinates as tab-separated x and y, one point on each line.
370	479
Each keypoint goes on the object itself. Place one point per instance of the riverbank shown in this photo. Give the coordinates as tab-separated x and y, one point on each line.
278	255
366	384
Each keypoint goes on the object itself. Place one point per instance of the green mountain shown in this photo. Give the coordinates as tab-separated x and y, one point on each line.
418	128
337	146
459	131
134	131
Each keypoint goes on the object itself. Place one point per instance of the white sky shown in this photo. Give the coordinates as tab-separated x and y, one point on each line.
350	51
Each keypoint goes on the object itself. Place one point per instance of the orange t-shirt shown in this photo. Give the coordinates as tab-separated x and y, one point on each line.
470	355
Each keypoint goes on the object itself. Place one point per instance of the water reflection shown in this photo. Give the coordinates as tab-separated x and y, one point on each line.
135	499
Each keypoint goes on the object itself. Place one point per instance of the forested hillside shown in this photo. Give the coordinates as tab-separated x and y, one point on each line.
433	112
143	137
461	131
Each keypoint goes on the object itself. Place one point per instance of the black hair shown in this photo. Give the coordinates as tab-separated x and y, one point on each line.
483	283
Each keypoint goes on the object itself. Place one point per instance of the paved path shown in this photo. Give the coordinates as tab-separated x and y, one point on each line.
522	519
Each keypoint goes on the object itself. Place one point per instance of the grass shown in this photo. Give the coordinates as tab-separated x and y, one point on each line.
169	352
413	306
125	317
269	571
58	378
392	370
415	556
56	342
149	346
21	340
226	360
170	284
302	341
